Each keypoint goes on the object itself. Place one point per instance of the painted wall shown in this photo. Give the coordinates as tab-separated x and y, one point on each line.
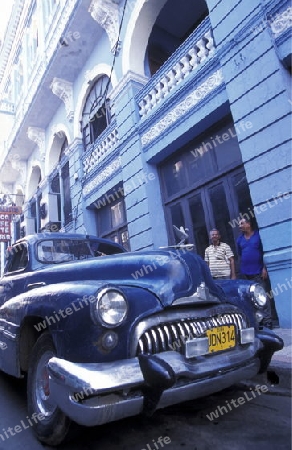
258	88
245	76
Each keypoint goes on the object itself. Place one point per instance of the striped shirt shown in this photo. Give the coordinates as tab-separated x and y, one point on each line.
218	259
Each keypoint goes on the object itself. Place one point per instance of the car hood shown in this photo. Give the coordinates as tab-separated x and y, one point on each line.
169	274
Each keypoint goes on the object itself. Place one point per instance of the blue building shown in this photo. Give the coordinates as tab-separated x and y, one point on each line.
124	118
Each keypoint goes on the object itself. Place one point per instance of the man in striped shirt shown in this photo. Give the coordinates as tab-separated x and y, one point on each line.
220	258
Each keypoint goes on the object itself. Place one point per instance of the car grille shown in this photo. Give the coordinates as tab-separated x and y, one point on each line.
172	335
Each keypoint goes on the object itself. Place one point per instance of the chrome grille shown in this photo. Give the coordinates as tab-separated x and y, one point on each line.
172	335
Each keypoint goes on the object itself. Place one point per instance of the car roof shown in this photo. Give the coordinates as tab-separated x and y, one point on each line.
32	238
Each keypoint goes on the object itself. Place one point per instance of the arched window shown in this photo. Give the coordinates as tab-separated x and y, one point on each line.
96	115
60	185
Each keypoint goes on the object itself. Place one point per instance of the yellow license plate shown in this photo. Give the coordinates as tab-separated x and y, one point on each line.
221	338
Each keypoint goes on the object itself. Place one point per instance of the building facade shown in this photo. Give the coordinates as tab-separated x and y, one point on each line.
122	118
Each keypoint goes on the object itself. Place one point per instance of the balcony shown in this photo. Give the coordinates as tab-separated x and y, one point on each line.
104	145
189	58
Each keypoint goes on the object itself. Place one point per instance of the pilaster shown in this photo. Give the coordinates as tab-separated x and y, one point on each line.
140	180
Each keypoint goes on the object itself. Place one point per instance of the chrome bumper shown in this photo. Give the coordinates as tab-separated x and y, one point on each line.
94	394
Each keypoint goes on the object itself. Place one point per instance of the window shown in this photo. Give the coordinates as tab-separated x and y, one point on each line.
198	223
66	194
55	189
205	186
112	223
35	211
111	218
32	43
175	176
211	155
55	251
18	75
96	114
214	205
61	187
18	259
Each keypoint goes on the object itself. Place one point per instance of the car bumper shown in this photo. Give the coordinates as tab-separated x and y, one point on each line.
94	394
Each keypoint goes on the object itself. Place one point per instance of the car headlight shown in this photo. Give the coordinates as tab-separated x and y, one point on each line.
258	295
111	307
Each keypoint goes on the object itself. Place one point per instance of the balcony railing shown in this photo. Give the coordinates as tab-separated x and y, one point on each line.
198	47
103	146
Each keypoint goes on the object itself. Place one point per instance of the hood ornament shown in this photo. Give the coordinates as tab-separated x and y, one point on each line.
202	294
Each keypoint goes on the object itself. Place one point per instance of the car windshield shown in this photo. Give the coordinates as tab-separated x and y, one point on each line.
62	250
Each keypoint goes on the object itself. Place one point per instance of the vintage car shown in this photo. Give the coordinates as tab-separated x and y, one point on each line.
102	334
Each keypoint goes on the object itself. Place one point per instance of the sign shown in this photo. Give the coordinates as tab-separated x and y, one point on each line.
10	210
5	227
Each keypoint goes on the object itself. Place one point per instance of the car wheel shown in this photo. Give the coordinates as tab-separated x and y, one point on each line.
49	422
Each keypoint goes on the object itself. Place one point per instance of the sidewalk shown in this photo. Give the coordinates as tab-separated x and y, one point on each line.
284	356
281	362
278	375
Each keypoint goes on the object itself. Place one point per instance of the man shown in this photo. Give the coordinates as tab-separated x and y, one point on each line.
220	258
250	251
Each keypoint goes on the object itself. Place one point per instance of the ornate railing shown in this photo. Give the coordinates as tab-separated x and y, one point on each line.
103	146
186	59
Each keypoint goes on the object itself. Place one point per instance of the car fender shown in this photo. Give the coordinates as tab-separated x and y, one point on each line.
64	310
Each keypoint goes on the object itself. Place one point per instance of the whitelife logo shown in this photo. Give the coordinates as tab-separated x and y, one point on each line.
158	444
235	403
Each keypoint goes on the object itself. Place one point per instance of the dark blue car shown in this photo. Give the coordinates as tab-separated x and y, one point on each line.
104	334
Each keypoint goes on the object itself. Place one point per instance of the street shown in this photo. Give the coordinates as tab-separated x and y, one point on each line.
235	419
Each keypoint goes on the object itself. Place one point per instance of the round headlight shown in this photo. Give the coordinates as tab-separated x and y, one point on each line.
111	307
258	294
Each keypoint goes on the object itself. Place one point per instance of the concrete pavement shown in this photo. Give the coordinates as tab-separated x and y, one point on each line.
281	363
278	375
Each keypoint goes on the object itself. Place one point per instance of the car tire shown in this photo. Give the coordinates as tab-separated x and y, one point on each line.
50	424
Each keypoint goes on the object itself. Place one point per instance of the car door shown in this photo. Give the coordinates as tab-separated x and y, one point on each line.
14	279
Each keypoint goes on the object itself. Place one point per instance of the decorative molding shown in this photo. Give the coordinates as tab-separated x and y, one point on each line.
102	176
183	107
106	13
281	22
19	165
103	148
64	90
37	135
100	69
